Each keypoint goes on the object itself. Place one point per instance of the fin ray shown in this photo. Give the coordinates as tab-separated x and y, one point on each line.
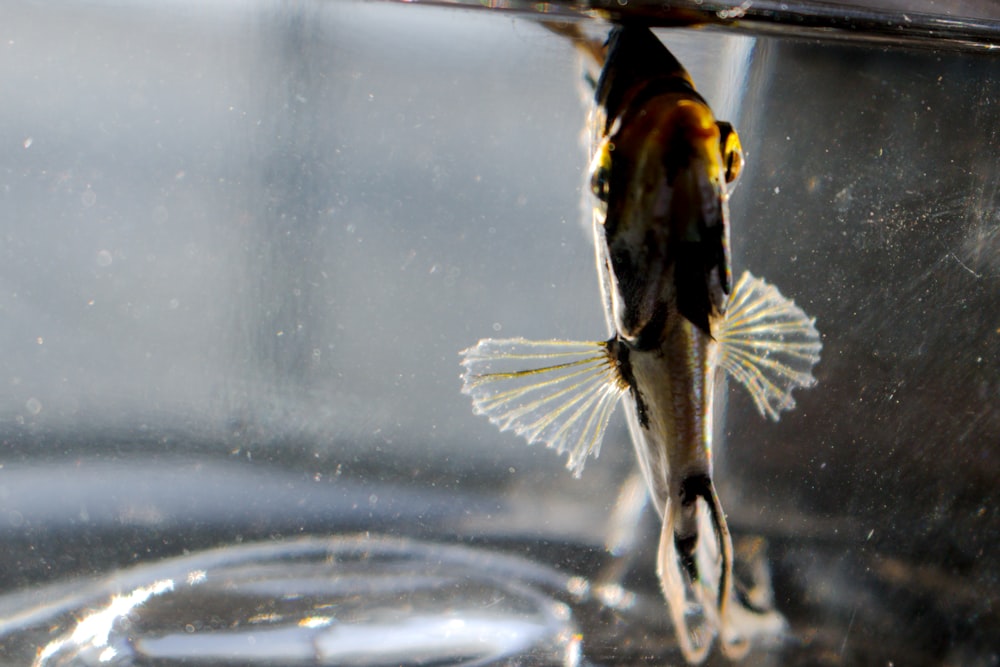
558	392
768	345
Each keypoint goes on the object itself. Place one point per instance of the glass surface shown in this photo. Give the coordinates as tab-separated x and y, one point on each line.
243	243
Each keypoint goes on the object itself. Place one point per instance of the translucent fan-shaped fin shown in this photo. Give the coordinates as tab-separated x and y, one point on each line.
558	392
768	345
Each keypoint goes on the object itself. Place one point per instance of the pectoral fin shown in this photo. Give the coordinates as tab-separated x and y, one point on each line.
561	393
768	345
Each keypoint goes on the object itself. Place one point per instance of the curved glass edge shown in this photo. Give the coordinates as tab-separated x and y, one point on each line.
968	26
351	599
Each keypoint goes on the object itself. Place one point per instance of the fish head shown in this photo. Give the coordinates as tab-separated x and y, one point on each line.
662	177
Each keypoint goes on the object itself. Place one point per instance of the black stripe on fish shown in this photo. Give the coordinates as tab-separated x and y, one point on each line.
619	351
647	91
685	547
699	294
651	335
694	487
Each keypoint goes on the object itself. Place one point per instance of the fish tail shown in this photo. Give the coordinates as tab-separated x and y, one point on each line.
695	565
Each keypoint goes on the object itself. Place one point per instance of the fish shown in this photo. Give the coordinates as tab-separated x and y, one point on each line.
661	171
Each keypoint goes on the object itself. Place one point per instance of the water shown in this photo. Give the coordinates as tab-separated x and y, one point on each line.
243	244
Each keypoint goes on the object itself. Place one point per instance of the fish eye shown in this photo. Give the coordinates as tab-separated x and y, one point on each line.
600	182
732	151
600	171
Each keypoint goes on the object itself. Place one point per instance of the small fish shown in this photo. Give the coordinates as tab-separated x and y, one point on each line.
661	171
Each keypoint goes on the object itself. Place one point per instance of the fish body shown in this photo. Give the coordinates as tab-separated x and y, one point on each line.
660	170
662	232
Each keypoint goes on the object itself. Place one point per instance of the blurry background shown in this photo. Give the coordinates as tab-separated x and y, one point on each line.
262	232
243	243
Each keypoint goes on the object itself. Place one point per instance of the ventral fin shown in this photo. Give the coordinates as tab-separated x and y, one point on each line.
691	600
768	345
693	583
560	393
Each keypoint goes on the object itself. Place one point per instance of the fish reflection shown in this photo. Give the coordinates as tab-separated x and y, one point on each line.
661	171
